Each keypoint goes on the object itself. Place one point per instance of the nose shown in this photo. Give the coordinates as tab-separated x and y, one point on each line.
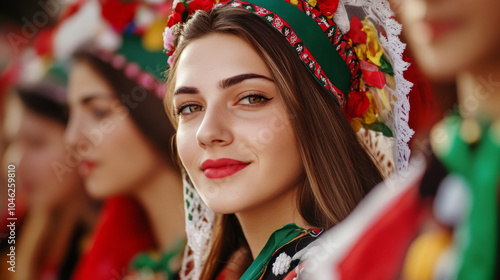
73	130
215	129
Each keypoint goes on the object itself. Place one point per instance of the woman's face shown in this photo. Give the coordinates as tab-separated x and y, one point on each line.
234	136
113	155
449	36
40	141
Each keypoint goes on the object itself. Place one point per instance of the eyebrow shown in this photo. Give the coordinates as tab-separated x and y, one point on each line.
231	81
188	90
226	83
90	98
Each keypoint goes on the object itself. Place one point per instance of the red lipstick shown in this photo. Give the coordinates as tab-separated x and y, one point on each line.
86	167
223	167
439	28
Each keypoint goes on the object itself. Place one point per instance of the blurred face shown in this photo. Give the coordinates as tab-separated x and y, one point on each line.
449	36
234	136
40	141
111	153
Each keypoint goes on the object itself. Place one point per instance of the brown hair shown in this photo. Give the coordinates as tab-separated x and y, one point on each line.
148	113
338	171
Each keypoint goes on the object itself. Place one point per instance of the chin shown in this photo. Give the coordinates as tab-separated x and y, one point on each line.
439	70
223	206
440	75
95	190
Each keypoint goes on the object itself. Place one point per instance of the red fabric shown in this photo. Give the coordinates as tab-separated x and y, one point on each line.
424	110
122	231
380	251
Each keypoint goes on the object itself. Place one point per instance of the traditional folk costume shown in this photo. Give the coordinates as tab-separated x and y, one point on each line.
353	50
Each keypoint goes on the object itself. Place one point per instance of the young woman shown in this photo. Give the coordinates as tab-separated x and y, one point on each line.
114	133
457	40
121	152
60	215
261	135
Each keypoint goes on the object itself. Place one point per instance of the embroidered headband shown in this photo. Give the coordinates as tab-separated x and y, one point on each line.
304	29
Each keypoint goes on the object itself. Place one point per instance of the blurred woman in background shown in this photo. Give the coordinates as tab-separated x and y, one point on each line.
127	153
60	215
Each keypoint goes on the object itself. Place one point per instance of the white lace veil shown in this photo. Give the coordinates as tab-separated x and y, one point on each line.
200	219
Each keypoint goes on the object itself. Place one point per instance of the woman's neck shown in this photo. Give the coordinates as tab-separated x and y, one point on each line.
259	223
162	199
479	91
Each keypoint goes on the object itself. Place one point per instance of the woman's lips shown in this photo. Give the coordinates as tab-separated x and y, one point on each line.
86	167
223	167
436	29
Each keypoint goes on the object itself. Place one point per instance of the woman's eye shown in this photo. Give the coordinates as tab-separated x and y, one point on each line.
99	113
189	109
254	99
36	143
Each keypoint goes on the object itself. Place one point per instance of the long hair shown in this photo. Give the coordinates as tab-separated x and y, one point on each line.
338	172
148	114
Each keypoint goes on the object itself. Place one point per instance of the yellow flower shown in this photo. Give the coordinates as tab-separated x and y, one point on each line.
356	124
389	80
374	51
294	2
312	2
382	102
371	114
151	41
360	50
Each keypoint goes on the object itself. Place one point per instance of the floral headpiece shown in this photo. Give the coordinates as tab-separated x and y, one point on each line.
355	55
347	59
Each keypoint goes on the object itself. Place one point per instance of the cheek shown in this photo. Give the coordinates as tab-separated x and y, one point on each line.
483	32
51	188
125	160
41	163
187	145
270	135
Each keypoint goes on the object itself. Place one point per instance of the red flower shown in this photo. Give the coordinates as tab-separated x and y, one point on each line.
119	13
355	33
164	8
195	5
173	19
43	42
372	75
328	7
357	105
180	8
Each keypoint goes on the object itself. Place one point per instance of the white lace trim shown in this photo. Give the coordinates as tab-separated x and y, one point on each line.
199	224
